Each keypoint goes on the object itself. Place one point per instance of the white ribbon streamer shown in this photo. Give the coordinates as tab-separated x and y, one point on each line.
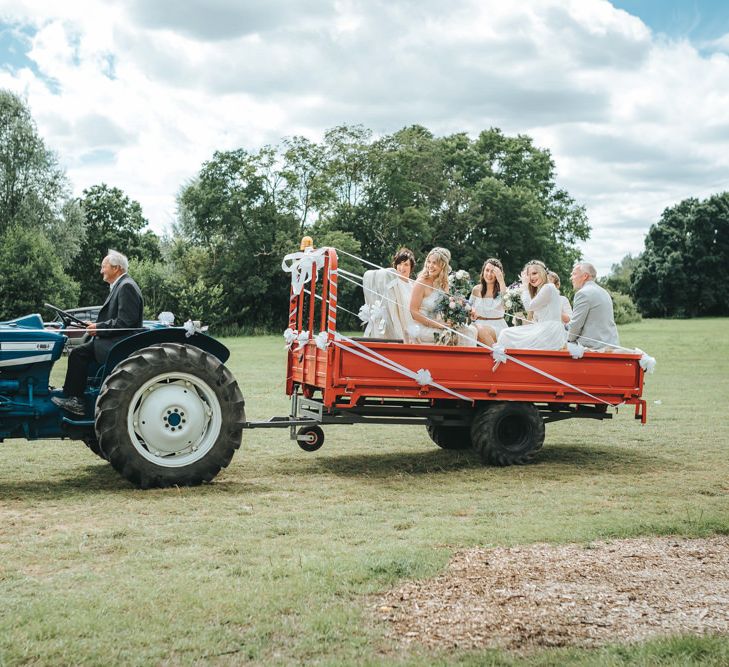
381	360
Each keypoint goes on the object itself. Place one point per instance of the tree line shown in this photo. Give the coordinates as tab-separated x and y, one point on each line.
685	253
492	195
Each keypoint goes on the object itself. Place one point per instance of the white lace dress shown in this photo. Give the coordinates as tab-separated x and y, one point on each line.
547	332
489	311
425	334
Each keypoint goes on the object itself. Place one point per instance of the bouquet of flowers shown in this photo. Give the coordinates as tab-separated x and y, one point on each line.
455	311
459	282
513	304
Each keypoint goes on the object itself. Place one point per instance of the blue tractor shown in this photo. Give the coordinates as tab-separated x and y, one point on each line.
163	409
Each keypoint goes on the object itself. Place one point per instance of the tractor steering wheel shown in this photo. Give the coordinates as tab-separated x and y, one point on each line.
66	318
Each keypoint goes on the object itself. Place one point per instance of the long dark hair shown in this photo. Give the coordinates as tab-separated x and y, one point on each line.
404	255
484	286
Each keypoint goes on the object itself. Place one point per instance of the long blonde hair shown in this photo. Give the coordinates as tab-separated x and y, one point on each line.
541	270
442	257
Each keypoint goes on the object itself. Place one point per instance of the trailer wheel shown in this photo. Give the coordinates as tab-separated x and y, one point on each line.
449	437
169	415
310	438
507	433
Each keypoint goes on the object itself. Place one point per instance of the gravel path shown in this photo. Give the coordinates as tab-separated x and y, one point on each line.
525	598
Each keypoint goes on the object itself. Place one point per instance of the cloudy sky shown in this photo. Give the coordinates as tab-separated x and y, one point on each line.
630	96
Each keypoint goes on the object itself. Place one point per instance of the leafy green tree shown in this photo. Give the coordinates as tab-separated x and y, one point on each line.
495	195
502	200
112	221
31	274
34	191
157	280
231	212
306	172
618	280
684	252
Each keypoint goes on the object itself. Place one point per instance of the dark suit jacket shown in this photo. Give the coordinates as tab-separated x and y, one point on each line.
123	309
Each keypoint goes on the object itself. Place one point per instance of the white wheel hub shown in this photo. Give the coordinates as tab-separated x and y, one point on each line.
174	419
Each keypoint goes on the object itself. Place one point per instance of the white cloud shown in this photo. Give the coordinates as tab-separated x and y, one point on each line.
139	94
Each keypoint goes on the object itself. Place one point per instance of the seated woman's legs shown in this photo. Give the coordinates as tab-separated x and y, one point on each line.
486	334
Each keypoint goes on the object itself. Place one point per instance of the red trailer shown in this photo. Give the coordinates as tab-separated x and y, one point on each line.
460	394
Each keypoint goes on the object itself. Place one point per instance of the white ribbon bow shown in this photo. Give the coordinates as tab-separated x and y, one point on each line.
498	352
647	363
302	339
576	350
322	340
423	377
365	314
289	336
302	266
191	328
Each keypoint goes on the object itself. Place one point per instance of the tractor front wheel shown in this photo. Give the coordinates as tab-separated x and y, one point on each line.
169	415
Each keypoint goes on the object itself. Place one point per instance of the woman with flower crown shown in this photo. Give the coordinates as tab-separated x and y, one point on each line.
431	284
541	298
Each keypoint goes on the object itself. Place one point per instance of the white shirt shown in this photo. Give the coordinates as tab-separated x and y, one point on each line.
111	286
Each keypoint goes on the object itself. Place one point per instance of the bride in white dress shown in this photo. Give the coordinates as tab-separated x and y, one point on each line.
432	282
542	298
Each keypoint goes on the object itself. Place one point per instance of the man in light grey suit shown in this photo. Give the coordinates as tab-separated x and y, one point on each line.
593	322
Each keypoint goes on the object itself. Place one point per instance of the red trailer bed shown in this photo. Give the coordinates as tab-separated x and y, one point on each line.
459	393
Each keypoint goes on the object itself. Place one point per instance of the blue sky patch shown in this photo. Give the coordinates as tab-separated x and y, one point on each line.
699	21
14	47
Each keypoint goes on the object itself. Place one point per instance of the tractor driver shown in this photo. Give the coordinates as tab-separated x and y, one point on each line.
120	316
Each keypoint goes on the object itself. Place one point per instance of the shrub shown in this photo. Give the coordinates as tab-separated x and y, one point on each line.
624	308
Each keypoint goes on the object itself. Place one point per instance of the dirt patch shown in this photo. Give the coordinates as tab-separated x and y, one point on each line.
539	596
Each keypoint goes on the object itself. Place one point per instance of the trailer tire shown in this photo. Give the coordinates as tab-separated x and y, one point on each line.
506	433
314	438
449	437
169	415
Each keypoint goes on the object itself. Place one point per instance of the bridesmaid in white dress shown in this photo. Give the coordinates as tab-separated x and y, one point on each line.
488	308
431	283
542	298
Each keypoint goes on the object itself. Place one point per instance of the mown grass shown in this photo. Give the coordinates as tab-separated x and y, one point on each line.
273	562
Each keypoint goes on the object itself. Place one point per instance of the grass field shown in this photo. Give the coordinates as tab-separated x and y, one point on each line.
274	562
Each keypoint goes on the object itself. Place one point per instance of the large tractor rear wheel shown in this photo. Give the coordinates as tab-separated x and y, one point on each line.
169	415
506	433
93	444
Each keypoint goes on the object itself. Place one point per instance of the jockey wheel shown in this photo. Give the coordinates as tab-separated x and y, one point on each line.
310	438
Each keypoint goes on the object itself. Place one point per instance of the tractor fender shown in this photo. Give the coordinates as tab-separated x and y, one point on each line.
131	344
